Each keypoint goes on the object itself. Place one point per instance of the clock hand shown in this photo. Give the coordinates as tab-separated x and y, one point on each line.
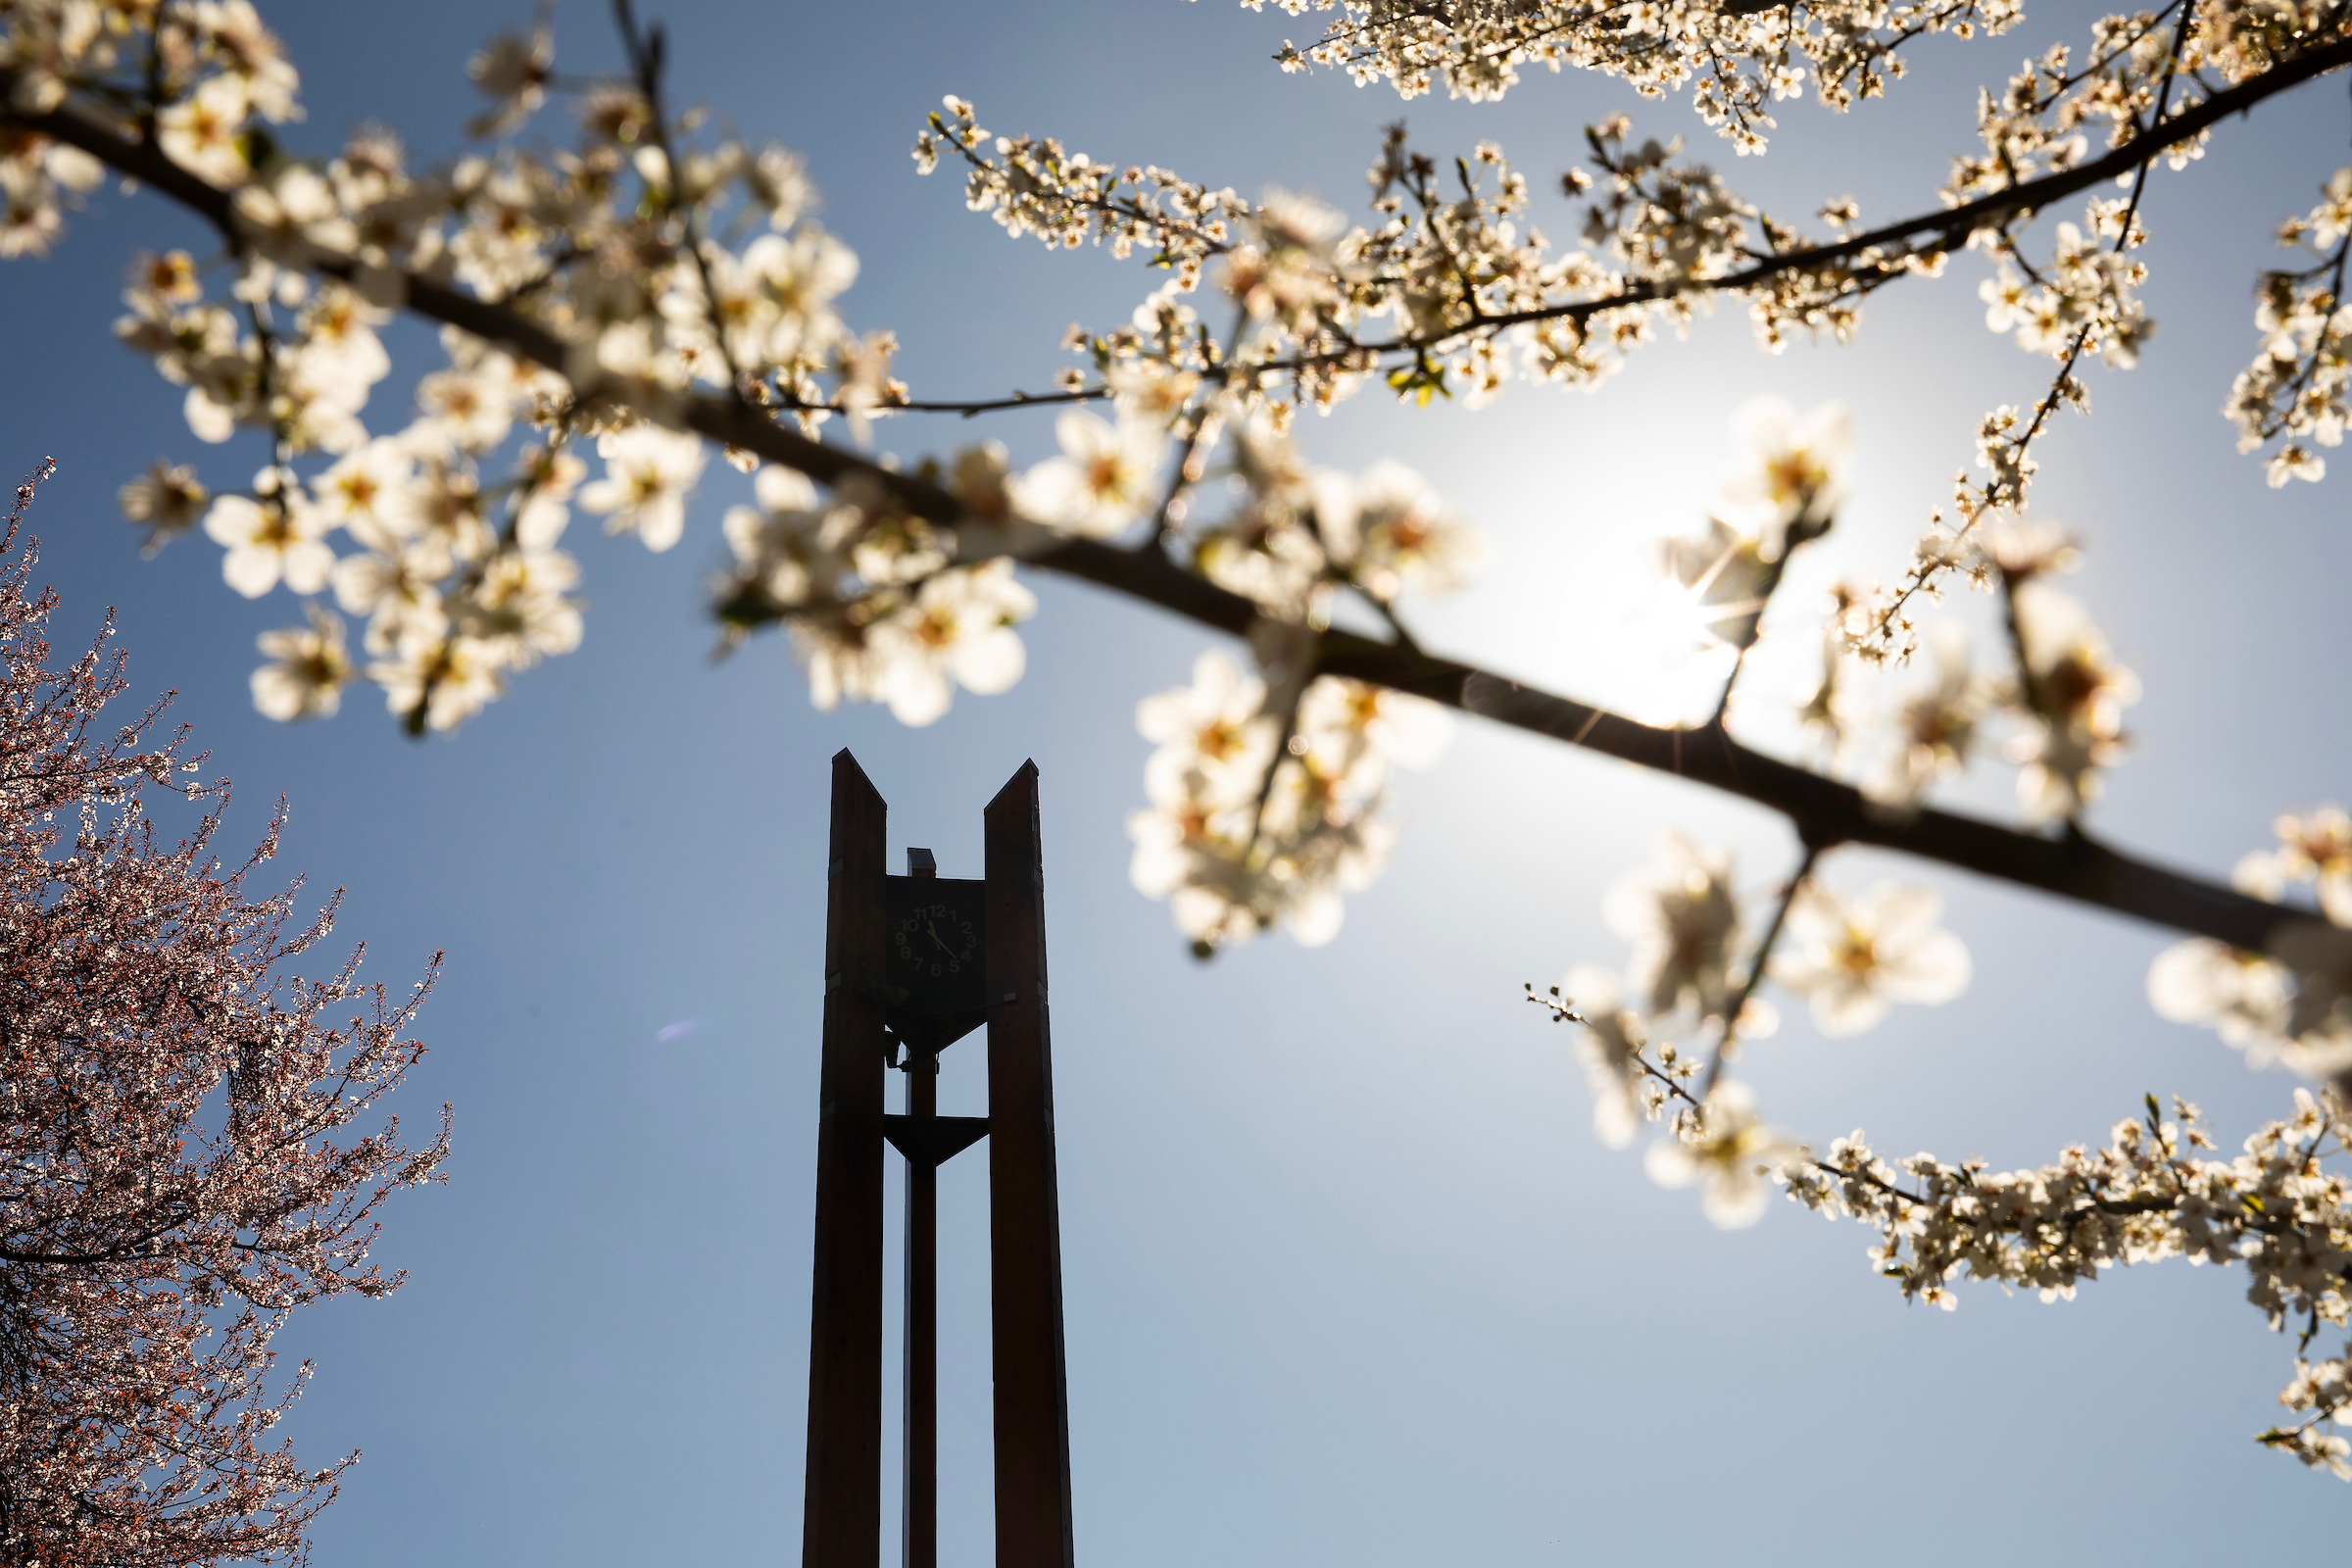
935	937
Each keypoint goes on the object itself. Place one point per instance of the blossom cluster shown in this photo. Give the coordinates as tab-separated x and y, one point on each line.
2139	70
1467	286
1693	972
1269	791
1656	1040
614	250
1736	60
1451	265
2276	1209
2061	702
1034	186
617	250
38	180
2297	385
1267	795
868	595
630	252
2293	1004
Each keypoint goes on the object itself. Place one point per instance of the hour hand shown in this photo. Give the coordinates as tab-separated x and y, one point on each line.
936	939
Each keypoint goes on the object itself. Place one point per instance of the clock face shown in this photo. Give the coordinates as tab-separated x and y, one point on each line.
935	940
936	943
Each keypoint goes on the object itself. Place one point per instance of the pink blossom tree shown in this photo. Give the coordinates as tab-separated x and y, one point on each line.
181	1160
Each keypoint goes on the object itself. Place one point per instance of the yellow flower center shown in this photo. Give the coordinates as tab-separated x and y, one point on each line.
1793	475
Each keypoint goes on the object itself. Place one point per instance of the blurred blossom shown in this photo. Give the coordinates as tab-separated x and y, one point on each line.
1793	471
1935	729
306	671
167	499
1103	479
1727	1152
270	539
1611	1046
2318	848
2075	695
1853	958
1684	922
1392	532
648	472
958	631
1244	834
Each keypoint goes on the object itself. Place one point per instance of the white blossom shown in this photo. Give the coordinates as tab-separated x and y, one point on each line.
306	671
256	60
452	676
648	472
1684	923
1854	957
1242	835
397	586
1214	739
1794	470
200	132
2318	848
1935	729
546	476
1611	1046
2076	693
269	541
788	548
474	404
1725	1150
1103	480
167	499
958	631
518	611
513	72
773	301
1392	532
2242	995
370	491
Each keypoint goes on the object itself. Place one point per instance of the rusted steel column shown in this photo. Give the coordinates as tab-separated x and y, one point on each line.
841	1525
1032	1397
919	1540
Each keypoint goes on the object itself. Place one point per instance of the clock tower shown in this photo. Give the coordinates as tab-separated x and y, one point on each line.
913	964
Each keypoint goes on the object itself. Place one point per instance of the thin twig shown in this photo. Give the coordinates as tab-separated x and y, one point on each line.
1755	971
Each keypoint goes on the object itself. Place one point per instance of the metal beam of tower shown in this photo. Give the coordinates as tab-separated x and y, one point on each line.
1033	1408
842	1514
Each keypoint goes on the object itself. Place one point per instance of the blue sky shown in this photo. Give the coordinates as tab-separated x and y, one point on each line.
1348	1277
